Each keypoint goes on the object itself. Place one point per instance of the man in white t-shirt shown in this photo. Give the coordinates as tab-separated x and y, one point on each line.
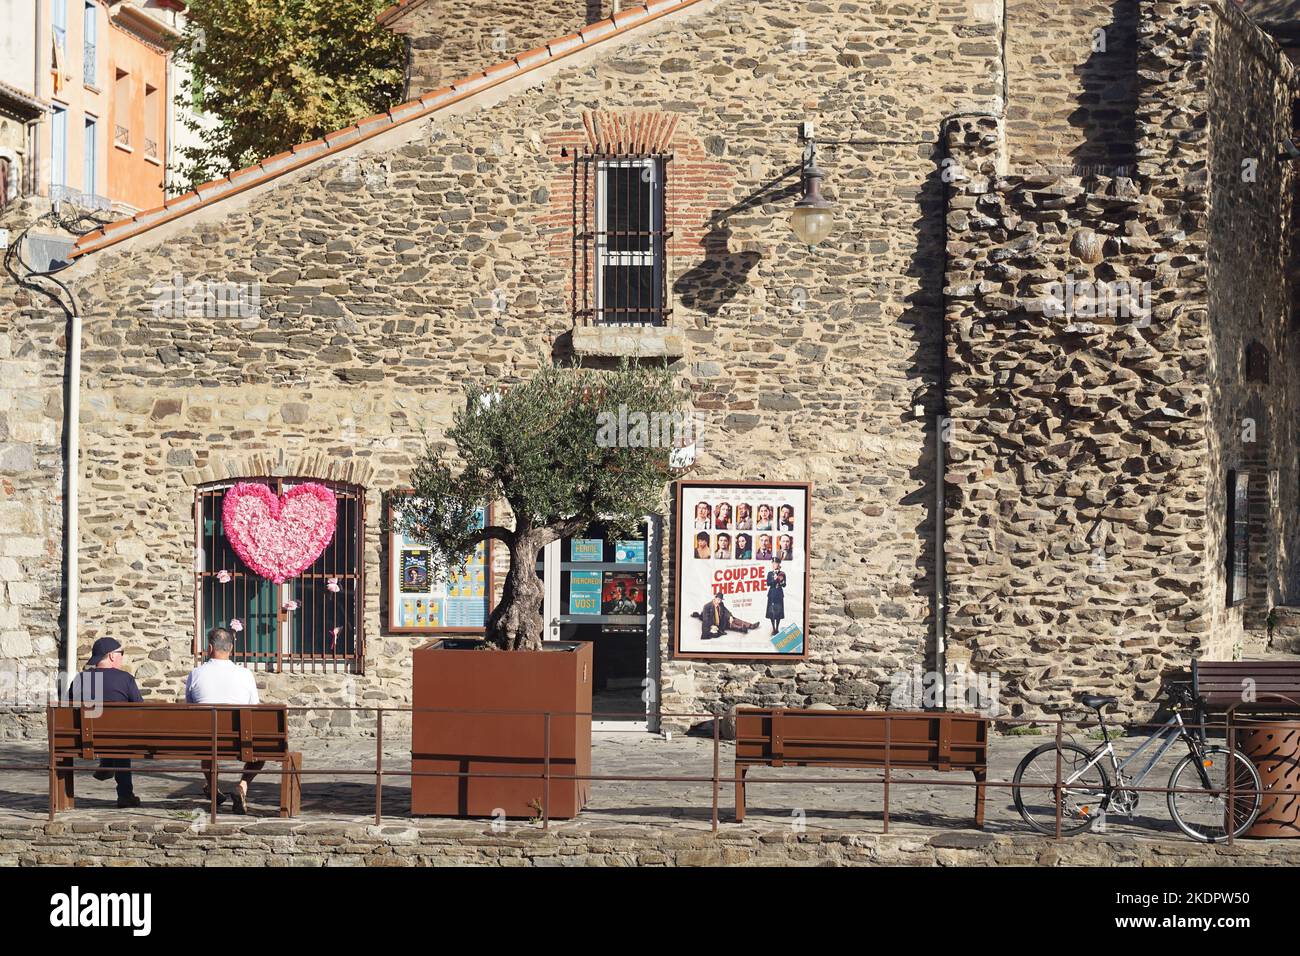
219	680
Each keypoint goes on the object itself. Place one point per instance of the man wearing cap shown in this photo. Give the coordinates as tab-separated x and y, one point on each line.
104	682
219	680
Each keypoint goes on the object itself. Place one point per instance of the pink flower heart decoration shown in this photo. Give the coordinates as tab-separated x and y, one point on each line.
281	536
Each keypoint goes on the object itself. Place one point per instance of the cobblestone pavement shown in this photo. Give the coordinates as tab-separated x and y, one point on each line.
846	806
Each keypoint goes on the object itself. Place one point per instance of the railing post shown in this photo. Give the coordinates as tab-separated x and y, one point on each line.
889	736
1057	789
546	774
212	776
1232	778
379	766
717	739
49	739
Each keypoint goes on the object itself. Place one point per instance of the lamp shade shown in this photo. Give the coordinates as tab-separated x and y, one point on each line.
812	218
811	224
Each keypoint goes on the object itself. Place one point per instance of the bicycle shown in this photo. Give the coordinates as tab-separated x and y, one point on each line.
1199	791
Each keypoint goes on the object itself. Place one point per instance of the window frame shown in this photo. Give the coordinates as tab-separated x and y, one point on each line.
90	155
58	148
652	255
284	659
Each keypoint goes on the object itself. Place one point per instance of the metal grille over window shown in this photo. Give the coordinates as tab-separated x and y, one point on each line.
309	624
620	224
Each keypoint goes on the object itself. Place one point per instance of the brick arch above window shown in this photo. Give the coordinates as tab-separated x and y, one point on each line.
314	465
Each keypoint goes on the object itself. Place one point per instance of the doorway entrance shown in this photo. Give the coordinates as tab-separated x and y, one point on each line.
604	588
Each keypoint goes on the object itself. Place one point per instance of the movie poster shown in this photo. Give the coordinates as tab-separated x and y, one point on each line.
623	592
421	603
742	569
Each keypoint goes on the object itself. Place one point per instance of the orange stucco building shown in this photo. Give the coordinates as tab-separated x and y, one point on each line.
104	73
136	76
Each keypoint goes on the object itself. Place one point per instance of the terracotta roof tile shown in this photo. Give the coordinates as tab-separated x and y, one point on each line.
560	46
532	57
401	7
509	66
304	153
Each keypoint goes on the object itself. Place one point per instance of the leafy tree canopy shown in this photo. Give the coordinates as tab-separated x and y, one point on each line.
275	73
552	448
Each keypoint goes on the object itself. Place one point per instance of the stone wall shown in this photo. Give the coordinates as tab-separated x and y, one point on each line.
1252	422
286	843
31	504
1085	519
449	40
1084	542
394	273
1074	519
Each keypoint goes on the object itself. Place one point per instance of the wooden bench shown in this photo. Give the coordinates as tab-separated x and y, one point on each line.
1255	686
776	737
171	732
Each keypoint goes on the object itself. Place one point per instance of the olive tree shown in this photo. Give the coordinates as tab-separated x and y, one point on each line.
563	449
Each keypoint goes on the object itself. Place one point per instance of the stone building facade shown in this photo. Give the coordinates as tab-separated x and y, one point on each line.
1082	535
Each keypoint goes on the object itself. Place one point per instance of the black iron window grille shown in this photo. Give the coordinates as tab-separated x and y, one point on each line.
620	239
309	624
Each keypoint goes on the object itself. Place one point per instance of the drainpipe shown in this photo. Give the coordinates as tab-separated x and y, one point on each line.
72	537
940	603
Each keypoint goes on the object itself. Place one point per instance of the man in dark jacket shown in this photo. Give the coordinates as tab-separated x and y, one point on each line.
716	619
104	682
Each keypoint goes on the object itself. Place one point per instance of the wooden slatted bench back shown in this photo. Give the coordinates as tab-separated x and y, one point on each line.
860	738
1222	684
171	731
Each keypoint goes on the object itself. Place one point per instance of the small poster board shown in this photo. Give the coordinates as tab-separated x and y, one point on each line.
421	603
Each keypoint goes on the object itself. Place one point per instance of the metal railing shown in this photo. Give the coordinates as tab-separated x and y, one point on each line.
121	136
150	148
89	64
61	193
887	780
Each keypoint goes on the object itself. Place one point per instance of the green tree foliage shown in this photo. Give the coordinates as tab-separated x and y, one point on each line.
275	73
549	448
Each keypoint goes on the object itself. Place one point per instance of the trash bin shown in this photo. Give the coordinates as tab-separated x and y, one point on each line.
1274	747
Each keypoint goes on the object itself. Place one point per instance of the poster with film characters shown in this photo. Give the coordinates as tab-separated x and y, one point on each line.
742	569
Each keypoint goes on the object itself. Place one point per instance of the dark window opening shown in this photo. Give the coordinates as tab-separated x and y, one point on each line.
620	253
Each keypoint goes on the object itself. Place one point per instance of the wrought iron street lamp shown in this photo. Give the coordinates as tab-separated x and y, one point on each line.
813	215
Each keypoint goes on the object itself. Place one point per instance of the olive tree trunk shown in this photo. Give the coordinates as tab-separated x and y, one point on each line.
517	623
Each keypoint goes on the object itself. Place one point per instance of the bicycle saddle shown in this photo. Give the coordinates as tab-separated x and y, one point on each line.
1097	702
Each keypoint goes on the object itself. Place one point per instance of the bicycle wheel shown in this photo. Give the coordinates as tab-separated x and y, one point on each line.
1080	801
1203	815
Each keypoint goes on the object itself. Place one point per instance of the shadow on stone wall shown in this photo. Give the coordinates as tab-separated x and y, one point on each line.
1107	104
717	278
923	318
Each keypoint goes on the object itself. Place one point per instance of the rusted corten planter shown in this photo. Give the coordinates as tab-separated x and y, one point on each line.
458	675
1274	748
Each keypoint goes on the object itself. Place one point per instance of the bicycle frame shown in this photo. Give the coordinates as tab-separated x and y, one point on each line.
1172	731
